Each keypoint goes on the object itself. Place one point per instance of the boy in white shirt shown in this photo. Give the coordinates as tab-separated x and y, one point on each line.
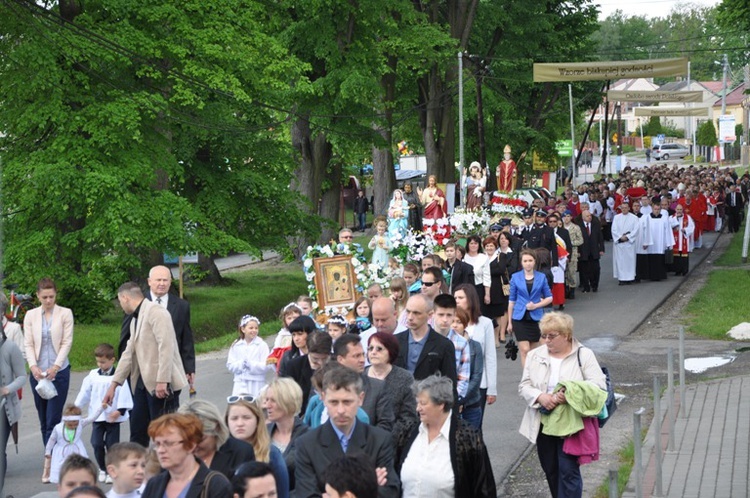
106	428
126	465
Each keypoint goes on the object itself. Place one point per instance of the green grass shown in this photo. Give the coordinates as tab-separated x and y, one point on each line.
215	311
626	457
722	302
363	240
733	255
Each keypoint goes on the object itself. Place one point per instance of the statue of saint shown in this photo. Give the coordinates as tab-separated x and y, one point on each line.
506	173
475	183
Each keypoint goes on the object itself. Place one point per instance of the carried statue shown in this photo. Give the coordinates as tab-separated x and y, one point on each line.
507	172
475	184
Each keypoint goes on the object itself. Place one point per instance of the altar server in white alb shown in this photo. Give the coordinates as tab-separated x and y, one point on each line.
625	228
662	240
642	241
106	428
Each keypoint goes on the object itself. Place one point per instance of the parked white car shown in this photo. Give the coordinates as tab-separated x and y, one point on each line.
667	151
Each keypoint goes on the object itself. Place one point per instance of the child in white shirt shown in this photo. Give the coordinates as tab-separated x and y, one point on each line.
106	430
248	358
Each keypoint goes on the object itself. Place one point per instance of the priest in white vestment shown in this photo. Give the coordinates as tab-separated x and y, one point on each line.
625	227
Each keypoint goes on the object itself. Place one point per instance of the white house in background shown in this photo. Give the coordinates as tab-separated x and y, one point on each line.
709	89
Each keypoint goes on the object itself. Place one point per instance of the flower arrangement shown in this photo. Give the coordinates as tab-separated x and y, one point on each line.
414	246
470	222
508	205
367	274
439	229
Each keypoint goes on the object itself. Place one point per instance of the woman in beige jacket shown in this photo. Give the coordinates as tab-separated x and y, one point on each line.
559	358
48	337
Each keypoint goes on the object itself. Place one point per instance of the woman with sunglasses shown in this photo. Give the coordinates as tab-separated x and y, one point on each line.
218	449
246	422
560	358
382	351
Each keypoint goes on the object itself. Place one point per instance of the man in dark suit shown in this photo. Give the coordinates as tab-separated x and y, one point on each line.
159	282
590	251
735	204
422	351
349	352
343	435
460	272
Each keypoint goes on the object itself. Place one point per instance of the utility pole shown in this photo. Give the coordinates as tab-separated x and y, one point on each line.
480	118
573	137
725	63
724	86
461	160
619	130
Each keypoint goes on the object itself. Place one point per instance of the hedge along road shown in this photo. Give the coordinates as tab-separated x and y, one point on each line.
601	320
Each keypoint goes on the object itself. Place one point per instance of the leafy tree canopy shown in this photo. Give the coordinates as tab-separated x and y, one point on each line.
133	129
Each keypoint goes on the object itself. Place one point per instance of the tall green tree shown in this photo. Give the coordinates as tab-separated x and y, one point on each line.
132	130
517	111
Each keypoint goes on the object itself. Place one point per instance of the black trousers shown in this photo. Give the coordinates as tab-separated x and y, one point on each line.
562	471
590	271
147	408
733	219
103	436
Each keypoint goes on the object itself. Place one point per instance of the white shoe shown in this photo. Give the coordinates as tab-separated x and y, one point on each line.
102	475
108	480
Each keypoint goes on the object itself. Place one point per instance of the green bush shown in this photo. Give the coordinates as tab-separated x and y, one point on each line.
628	148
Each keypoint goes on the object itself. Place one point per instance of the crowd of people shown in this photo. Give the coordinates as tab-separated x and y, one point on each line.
388	400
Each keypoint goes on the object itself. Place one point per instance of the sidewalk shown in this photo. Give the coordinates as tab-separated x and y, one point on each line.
711	443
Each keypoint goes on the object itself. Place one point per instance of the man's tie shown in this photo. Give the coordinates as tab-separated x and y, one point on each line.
344	443
588	228
158	300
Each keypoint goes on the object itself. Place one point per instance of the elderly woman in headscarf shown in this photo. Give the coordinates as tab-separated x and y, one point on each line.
218	449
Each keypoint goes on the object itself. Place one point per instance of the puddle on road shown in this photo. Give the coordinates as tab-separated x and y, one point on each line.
700	365
601	344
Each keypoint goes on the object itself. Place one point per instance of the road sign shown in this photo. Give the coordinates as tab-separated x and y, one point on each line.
564	148
726	128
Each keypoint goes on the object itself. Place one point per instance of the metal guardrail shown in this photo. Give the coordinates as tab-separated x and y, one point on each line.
672	410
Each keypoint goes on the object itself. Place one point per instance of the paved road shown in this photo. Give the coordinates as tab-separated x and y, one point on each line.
602	320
